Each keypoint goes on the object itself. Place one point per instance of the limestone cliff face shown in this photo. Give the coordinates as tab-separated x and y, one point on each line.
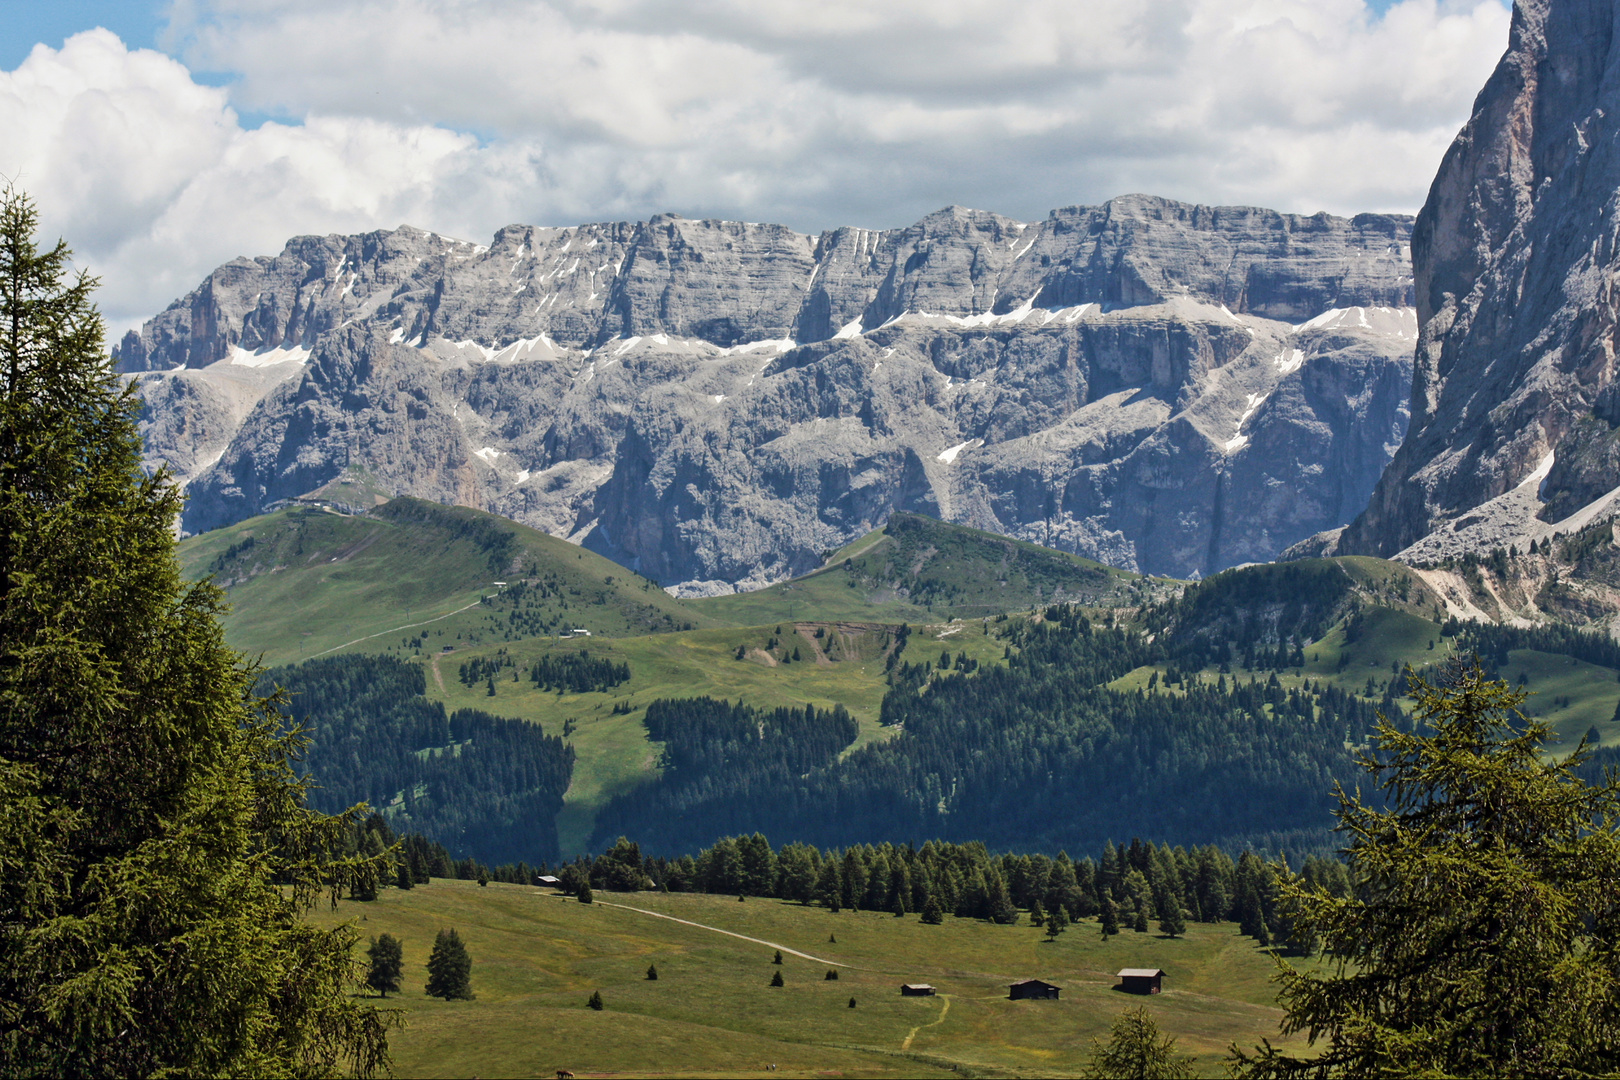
1515	257
1168	387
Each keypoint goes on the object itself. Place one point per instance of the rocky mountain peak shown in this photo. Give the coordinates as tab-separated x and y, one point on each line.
1515	259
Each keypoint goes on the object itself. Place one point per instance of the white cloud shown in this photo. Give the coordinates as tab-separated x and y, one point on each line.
462	116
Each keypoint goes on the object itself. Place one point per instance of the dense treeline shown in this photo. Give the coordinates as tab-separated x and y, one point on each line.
1493	643
1144	884
720	755
1260	616
577	673
482	785
1039	754
1136	886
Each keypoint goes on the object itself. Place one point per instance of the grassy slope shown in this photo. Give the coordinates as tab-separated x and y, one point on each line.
536	958
313	580
916	569
613	751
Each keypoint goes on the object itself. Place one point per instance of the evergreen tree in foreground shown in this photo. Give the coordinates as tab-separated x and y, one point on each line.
1483	936
387	959
449	968
1136	1051
156	853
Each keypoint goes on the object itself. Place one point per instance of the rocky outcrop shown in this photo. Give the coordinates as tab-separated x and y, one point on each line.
1166	387
1516	259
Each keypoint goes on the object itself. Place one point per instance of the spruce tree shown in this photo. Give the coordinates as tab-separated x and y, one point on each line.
595	1000
1110	916
158	854
1172	920
1481	936
1056	922
776	979
449	968
387	964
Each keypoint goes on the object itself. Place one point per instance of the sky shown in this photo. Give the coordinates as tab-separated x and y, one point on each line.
164	138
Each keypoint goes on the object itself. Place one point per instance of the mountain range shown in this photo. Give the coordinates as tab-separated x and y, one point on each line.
1163	387
1167	388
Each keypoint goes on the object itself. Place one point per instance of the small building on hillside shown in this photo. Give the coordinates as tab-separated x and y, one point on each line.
916	990
1033	988
546	881
1139	980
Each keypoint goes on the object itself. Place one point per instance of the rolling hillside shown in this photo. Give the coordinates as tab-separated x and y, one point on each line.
307	582
918	569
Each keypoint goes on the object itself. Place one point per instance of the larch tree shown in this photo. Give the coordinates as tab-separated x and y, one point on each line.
156	853
1135	1050
1482	935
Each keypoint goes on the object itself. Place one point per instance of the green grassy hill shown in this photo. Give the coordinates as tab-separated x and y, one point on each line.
917	569
844	666
413	575
537	958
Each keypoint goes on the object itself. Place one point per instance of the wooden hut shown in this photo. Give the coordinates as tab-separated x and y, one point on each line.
1139	980
917	990
1025	989
548	882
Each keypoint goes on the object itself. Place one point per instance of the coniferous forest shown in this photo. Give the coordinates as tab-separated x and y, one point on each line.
479	784
1036	755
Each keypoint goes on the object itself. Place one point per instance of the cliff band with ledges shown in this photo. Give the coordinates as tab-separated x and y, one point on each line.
1165	387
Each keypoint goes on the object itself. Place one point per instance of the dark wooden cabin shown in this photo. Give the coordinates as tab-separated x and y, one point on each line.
1140	980
917	990
1033	988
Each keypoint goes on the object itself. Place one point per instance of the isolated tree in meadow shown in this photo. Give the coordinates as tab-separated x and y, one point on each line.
1056	923
449	968
778	958
652	972
386	964
1482	935
595	1000
1136	1051
156	853
932	913
585	894
776	979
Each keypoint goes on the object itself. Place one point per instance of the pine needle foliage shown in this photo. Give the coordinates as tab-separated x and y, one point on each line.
156	852
1483	935
1136	1051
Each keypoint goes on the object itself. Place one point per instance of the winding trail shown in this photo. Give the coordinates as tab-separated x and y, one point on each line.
940	1019
728	933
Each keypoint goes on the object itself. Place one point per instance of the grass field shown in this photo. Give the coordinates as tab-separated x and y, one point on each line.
612	750
537	957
